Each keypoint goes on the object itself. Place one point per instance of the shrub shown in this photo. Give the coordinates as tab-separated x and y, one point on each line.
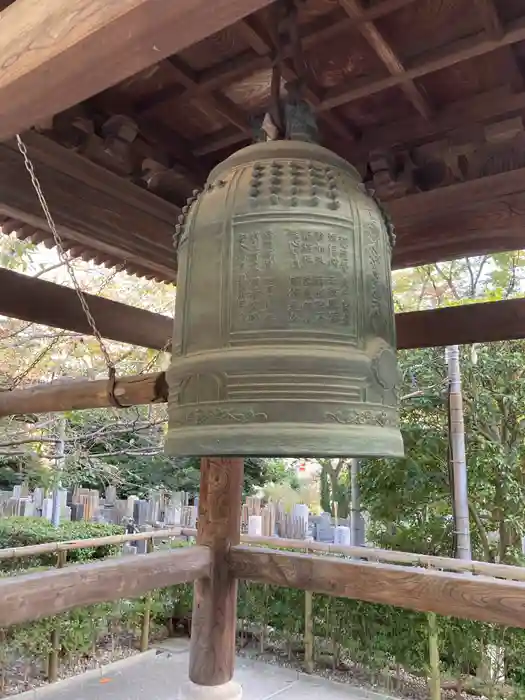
21	532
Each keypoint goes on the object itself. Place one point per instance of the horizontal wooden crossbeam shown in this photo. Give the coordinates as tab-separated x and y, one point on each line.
100	215
105	218
74	394
55	54
473	323
47	593
452	119
462	50
464	596
49	304
46	303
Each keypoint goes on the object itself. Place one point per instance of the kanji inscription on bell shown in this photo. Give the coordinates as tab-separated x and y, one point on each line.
284	329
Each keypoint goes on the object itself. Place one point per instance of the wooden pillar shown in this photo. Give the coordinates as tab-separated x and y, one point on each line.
214	621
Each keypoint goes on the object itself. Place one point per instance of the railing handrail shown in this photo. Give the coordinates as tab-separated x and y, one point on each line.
69	545
504	571
426	561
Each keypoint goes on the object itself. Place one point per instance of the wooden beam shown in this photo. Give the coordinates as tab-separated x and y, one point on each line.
254	35
37	301
249	62
472	323
462	325
214	619
78	394
387	55
458	115
471	218
459	51
413	130
461	197
460	595
389	556
35	550
94	209
48	593
215	100
87	47
490	17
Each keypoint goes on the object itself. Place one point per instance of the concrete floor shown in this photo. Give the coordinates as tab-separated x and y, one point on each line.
159	675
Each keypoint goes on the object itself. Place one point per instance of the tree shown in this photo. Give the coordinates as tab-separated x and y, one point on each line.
326	504
408	500
335	481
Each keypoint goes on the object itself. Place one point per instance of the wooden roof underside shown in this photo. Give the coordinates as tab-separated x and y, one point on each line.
426	97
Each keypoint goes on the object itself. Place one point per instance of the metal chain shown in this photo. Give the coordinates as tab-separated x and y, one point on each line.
296	46
286	39
19	378
63	256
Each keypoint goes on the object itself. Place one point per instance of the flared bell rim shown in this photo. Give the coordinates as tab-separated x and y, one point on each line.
360	441
283	150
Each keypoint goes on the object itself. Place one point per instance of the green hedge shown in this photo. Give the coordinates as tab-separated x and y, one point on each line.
79	630
21	532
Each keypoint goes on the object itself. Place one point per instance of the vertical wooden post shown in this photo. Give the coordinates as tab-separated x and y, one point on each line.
214	620
308	630
55	637
308	633
433	653
146	617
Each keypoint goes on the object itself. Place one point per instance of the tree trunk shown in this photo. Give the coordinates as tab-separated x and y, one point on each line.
357	523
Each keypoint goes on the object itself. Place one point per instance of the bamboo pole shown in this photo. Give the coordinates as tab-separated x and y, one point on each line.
308	633
308	629
505	571
82	393
144	632
458	458
433	656
55	633
52	547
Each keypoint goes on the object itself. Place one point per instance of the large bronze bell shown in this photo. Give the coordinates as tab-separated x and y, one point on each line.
284	328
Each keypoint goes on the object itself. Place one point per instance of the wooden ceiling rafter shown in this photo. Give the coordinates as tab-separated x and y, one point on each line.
432	62
249	62
104	45
494	29
387	55
259	42
457	52
490	18
487	106
218	102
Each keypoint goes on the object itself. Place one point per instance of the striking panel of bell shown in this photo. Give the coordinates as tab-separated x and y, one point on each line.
284	340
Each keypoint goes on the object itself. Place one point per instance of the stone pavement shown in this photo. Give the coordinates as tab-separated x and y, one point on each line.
160	673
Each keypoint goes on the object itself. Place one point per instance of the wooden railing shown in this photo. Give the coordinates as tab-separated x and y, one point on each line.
492	592
70	545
